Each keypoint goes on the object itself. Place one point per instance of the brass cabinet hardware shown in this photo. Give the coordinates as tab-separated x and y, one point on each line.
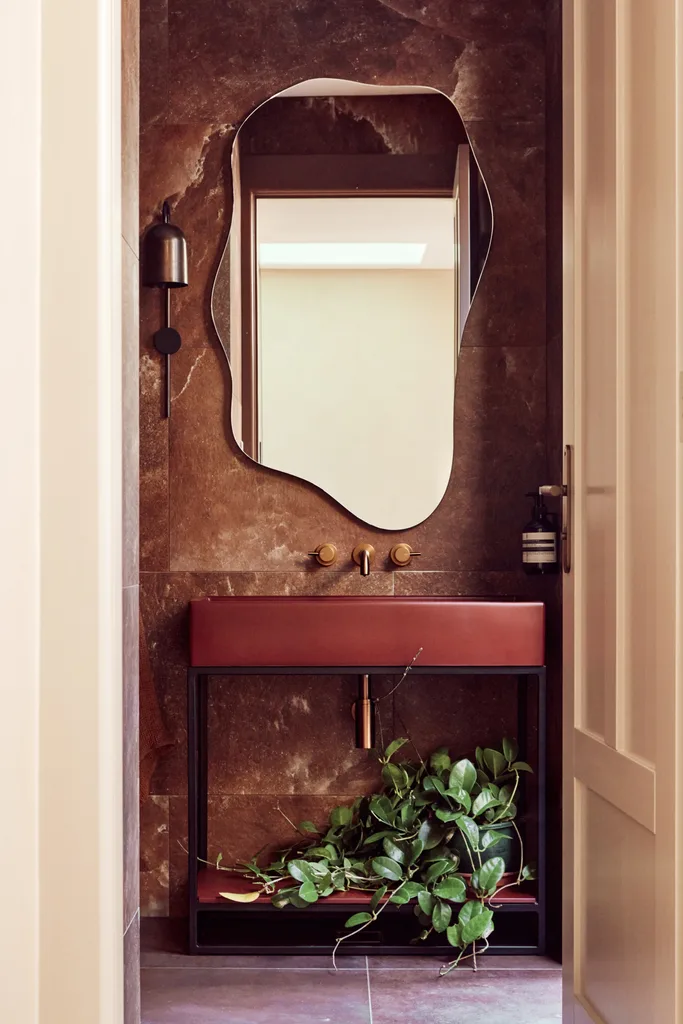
401	554
363	555
324	554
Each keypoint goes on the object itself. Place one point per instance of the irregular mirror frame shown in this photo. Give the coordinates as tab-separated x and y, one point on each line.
346	314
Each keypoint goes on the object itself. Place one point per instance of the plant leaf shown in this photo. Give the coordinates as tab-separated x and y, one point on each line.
444	815
407	815
510	749
453	935
470	910
485	800
339	880
521	766
394	776
441	916
461	795
436	869
241	897
308	826
393	747
430	833
301	870
495	762
387	868
308	892
440	761
433	783
341	816
296	901
463	776
281	899
476	927
356	919
451	889
378	896
426	902
393	850
529	872
490	837
375	837
416	849
380	807
470	830
486	878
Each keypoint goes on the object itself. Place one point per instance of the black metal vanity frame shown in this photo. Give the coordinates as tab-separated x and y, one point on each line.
203	917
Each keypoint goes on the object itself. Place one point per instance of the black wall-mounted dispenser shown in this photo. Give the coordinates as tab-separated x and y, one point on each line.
540	538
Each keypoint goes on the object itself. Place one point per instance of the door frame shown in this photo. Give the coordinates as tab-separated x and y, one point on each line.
62	935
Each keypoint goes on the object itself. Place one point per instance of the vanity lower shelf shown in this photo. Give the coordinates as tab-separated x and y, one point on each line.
211	882
220	927
228	928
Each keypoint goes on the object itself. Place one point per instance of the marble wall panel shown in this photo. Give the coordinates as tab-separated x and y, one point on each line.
154	856
213	523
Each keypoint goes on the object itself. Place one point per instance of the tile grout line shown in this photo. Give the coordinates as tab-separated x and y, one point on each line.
367	974
135	914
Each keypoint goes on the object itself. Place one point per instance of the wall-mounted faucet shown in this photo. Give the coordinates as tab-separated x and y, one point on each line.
362	556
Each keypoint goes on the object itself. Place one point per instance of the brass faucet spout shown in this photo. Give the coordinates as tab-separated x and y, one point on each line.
362	556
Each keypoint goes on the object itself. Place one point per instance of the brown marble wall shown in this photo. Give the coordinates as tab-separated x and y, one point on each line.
212	523
130	134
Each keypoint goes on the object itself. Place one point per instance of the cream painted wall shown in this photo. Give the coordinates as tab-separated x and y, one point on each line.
357	371
60	414
19	521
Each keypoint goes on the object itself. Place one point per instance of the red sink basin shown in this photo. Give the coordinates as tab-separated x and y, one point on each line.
364	632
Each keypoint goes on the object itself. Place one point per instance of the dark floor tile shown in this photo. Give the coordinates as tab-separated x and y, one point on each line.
463	997
486	963
245	997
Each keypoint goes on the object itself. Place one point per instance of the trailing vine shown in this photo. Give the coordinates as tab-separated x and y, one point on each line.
438	834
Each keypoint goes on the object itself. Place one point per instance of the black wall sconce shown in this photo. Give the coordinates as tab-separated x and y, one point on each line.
165	267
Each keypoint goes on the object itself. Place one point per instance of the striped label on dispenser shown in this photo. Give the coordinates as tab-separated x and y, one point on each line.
539	547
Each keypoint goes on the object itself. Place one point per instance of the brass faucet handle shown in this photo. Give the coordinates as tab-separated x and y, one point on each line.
401	554
325	554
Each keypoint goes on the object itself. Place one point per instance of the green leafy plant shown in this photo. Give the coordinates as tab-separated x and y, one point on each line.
433	835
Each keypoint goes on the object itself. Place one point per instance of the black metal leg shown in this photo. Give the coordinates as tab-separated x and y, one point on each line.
523	715
203	768
542	775
193	746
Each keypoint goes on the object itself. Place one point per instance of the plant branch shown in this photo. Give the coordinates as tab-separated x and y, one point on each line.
405	673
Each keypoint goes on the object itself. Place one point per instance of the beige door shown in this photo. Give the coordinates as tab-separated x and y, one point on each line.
623	186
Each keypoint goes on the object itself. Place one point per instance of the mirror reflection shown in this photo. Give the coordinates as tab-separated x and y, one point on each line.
350	272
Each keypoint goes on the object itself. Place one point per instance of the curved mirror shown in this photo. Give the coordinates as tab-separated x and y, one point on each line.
360	227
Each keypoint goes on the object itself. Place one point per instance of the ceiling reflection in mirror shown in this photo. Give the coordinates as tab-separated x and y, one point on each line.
360	228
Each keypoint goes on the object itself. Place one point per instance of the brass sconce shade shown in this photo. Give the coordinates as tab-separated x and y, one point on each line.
165	266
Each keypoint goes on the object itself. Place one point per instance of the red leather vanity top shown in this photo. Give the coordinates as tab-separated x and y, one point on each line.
365	631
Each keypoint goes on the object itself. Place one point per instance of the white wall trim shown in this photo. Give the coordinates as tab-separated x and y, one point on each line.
60	465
